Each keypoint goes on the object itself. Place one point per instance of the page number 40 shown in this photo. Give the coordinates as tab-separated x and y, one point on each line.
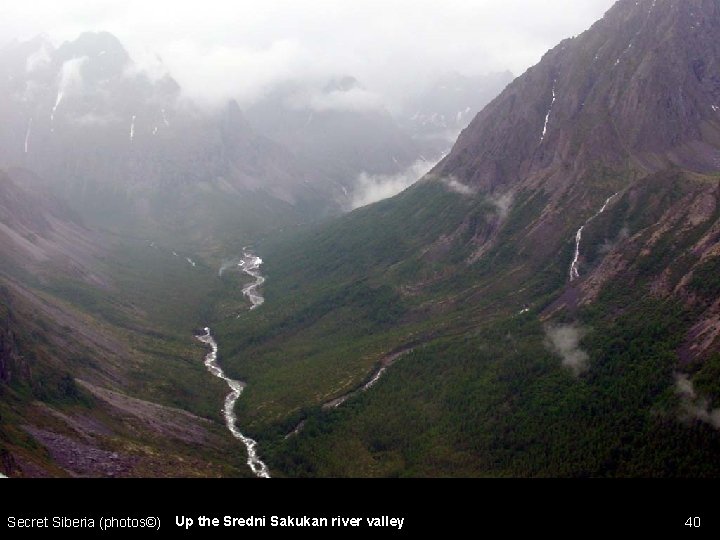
693	522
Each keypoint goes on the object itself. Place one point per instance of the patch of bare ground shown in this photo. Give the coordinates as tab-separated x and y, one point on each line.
82	459
703	336
166	422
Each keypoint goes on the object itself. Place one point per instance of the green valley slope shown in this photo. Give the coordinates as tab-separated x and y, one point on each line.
516	370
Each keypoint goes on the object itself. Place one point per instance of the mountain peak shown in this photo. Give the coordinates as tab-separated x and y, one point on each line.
95	45
636	91
342	84
623	9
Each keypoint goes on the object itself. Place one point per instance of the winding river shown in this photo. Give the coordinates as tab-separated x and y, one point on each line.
249	264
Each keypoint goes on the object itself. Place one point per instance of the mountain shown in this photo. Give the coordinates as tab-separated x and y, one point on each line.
36	229
543	303
119	200
89	384
437	114
630	93
341	127
126	147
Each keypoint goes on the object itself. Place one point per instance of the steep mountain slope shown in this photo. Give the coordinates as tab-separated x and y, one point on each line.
553	276
637	91
99	375
128	150
118	203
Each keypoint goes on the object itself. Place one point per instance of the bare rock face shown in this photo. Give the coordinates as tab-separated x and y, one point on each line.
639	90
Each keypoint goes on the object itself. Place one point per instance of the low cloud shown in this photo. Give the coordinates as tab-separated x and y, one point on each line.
608	245
457	187
32	90
145	63
227	264
564	340
312	97
38	60
211	76
92	119
355	99
695	407
218	48
71	75
373	188
503	203
70	81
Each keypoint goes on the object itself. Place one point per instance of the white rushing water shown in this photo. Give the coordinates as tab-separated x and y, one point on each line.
574	272
384	365
236	387
547	116
132	128
57	103
250	264
374	379
574	267
27	135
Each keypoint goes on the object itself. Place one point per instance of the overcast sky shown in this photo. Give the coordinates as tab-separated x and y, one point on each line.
222	48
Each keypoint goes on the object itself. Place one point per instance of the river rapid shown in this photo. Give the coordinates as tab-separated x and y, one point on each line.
249	264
